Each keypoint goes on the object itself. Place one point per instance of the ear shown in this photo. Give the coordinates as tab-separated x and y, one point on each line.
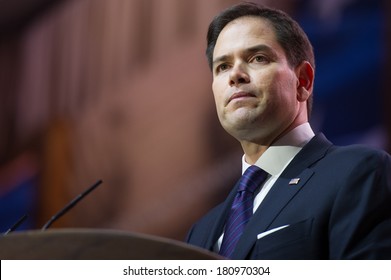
305	80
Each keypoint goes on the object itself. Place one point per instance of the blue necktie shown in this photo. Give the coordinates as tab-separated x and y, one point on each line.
241	209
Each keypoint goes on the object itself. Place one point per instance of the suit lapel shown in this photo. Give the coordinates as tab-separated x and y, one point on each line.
220	218
275	201
282	192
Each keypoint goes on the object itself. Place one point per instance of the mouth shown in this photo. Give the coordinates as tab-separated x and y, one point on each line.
240	95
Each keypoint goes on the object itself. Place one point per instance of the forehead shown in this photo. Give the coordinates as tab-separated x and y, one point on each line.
245	32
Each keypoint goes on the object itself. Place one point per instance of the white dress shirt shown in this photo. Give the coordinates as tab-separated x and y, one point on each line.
275	159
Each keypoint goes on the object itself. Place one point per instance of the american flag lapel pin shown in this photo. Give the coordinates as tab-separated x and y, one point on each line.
294	181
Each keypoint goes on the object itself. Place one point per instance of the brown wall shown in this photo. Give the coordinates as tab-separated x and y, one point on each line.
120	91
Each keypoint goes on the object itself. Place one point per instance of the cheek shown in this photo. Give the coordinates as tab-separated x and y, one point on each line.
283	86
217	94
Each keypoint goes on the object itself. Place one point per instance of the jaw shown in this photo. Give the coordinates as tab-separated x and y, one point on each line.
261	127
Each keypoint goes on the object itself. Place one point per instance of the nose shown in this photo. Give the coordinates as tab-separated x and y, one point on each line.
238	75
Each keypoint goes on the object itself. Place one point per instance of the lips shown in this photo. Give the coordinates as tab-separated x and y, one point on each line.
241	94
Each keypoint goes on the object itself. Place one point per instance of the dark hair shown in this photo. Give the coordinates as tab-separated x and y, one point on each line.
289	34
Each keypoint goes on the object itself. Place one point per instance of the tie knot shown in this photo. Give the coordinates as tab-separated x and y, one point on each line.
252	178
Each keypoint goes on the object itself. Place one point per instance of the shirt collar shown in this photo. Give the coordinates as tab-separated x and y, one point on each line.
279	154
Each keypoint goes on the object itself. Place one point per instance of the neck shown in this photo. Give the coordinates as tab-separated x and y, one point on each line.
253	150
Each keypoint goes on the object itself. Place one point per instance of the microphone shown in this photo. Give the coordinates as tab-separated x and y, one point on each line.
17	224
70	205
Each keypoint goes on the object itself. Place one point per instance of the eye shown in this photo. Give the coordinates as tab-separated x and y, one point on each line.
222	67
260	59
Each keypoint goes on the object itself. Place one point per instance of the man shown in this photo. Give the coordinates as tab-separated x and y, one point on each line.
315	200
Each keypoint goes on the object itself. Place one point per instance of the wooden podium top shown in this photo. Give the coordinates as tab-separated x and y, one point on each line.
89	244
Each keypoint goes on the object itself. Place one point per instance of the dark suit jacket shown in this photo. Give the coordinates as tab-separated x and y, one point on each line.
340	208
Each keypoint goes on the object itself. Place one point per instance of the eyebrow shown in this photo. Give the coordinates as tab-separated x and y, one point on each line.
249	50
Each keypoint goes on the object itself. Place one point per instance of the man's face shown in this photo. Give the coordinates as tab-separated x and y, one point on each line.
255	88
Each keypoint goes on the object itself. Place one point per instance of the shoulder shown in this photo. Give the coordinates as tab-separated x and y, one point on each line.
348	162
326	149
358	168
359	154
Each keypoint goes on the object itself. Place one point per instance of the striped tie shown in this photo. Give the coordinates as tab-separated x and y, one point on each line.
241	209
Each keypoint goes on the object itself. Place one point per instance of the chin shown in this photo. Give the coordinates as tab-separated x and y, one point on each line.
248	129
241	132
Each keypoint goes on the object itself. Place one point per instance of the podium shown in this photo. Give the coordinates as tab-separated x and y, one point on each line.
88	244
